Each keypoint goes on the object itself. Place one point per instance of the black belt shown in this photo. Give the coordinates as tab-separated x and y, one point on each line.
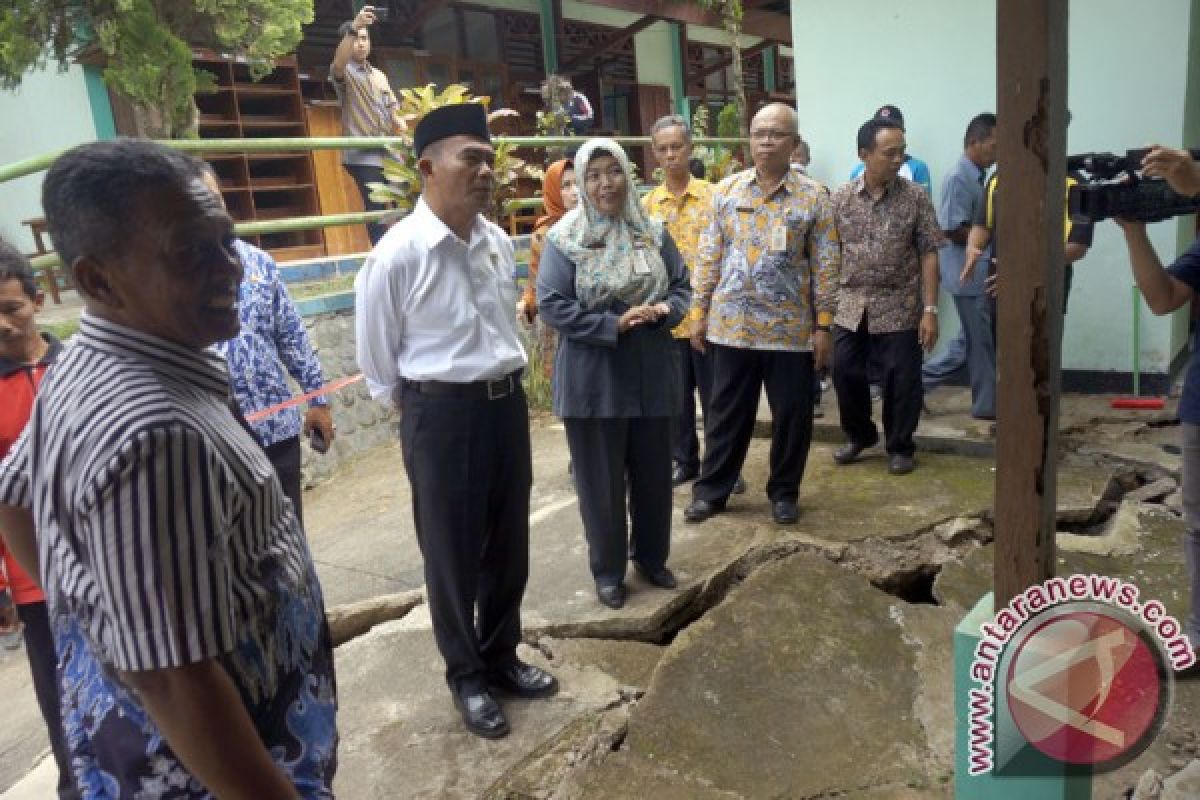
479	390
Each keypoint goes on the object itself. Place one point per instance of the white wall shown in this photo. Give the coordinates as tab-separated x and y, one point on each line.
935	59
48	112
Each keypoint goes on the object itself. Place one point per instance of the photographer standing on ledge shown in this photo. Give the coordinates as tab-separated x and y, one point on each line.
1165	290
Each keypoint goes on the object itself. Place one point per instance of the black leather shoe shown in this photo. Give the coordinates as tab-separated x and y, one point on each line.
611	596
700	510
661	577
850	451
522	680
784	512
481	713
900	465
683	475
739	486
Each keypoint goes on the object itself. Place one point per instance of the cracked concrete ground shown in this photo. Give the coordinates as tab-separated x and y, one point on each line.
802	661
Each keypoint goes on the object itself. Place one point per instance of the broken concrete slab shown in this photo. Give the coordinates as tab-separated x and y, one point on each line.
400	732
1183	785
1119	536
779	690
1082	492
629	776
1153	491
630	663
354	619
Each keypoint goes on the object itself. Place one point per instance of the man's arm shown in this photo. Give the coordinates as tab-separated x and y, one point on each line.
825	264
345	48
954	211
297	354
378	328
16	518
706	272
927	331
977	242
199	711
1163	291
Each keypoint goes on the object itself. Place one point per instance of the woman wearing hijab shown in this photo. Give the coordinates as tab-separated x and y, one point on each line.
560	194
613	284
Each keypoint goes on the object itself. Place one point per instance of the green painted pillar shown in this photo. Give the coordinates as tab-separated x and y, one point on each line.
769	78
102	113
549	41
1049	780
678	81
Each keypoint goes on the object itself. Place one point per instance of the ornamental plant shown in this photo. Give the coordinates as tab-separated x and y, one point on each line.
402	178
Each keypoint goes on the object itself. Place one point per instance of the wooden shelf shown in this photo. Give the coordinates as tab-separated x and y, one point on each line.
265	186
257	185
264	90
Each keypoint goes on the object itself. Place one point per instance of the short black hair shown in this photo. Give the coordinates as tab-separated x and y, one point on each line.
979	128
871	128
93	195
14	266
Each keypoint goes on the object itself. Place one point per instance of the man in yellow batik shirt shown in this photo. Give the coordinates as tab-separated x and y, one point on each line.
684	204
765	289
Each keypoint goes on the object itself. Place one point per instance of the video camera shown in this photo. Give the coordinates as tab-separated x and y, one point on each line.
1112	186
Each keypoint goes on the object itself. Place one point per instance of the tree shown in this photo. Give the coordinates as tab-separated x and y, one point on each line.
146	46
731	12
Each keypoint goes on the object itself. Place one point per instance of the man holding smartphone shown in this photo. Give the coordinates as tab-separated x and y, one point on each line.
369	106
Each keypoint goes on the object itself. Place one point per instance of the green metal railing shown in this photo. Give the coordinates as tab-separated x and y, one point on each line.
31	166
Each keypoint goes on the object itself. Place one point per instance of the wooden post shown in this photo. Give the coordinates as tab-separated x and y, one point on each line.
1031	57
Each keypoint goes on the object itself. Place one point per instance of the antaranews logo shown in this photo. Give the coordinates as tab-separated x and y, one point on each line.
1073	671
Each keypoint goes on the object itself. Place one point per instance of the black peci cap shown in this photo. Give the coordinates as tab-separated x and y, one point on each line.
468	119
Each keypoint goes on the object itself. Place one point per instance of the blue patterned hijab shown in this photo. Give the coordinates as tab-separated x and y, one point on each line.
616	258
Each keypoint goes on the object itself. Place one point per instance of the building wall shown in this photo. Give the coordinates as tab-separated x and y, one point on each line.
50	111
936	60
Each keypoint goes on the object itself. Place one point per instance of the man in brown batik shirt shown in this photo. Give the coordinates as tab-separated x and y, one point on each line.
887	301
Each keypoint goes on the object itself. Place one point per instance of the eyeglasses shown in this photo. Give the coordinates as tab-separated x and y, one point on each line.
769	135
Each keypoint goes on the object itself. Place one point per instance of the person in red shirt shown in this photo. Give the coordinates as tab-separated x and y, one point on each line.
25	355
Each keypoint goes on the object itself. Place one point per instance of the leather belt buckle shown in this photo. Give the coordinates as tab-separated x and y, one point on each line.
500	388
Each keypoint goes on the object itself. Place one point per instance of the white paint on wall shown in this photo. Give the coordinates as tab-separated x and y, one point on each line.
935	59
48	112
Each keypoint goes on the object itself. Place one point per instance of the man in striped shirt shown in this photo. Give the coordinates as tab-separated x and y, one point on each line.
193	652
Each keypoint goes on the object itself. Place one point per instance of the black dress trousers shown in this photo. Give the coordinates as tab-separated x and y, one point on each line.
286	457
739	375
612	456
696	369
468	461
900	361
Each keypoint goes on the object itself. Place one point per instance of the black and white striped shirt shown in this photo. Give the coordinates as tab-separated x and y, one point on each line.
162	529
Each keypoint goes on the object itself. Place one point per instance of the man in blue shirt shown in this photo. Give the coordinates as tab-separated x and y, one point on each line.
1165	291
974	347
914	168
272	337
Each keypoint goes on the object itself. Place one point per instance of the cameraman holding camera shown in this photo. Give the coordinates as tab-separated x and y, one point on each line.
1165	290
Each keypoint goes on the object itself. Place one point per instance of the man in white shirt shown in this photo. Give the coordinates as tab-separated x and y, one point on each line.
437	333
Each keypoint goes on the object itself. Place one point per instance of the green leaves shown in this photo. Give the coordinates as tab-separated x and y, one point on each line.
146	44
400	169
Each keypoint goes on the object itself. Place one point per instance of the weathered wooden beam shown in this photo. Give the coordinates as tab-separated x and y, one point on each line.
725	61
418	19
1031	57
618	38
763	24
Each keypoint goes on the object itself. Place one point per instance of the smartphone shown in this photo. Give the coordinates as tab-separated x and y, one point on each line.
316	441
380	12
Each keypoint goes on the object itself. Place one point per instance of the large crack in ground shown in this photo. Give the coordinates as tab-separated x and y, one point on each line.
904	565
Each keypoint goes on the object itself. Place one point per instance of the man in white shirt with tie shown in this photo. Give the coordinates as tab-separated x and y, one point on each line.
437	334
